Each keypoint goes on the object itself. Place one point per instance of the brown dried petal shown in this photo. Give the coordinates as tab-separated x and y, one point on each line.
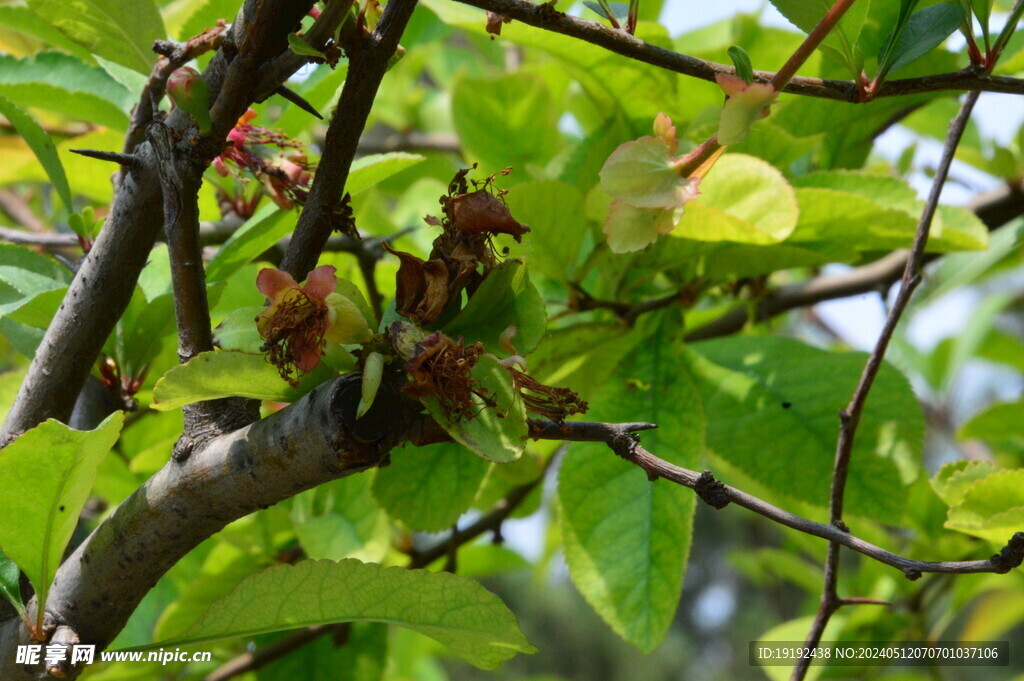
421	287
481	212
410	282
435	295
494	22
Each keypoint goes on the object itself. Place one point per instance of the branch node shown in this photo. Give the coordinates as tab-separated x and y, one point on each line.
126	160
1011	555
913	574
712	492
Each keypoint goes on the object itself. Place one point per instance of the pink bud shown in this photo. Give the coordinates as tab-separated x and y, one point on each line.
180	84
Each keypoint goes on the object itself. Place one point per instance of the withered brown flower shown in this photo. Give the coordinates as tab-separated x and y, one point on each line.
443	368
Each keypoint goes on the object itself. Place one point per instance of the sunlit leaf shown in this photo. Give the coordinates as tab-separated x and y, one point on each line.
471	622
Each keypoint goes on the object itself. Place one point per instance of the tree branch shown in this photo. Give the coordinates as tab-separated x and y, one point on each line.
106	279
849	418
546	17
368	61
261	657
622	439
180	191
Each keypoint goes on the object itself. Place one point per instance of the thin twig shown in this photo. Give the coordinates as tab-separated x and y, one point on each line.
545	17
367	66
19	210
489	522
849	418
620	437
261	657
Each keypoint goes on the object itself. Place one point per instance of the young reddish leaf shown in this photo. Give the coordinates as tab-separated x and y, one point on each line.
747	104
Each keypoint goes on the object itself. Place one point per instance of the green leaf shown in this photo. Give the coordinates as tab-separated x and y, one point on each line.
104	27
457	612
342	519
61	83
42	147
22	20
238	331
10	584
740	58
992	507
48	473
496	433
641	173
505	298
509	120
554	213
924	31
772	404
841	42
429	488
222	569
998	423
858	211
369	171
211	375
25	275
626	539
268	225
886	53
363	658
187	18
955	478
744	200
299	46
629	229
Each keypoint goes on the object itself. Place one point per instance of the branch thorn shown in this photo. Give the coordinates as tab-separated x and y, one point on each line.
297	100
126	160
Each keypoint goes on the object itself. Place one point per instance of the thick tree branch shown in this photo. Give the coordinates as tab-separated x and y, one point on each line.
622	439
106	279
849	418
546	17
315	440
368	61
180	191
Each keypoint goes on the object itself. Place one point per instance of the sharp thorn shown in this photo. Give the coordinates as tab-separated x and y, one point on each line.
126	160
297	100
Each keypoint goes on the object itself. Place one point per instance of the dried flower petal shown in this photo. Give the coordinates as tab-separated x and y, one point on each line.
481	212
442	368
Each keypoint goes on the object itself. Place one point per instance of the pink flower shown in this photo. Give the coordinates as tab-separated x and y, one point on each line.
285	178
301	318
